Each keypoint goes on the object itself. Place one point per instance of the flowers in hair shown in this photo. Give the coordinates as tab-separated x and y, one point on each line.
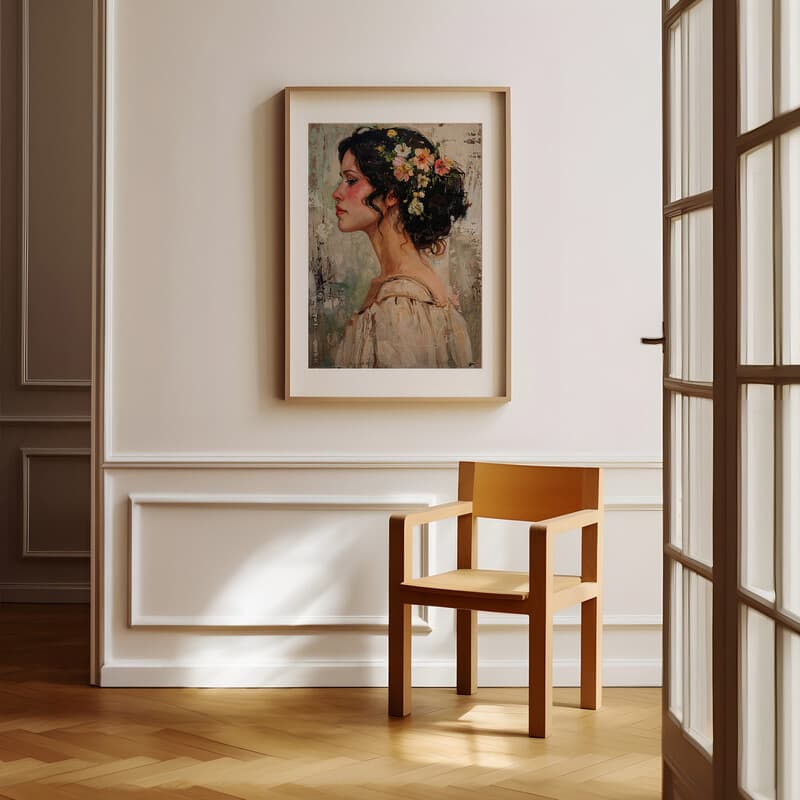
417	169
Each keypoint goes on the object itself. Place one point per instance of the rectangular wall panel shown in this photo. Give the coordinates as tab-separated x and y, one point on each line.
44	470
244	560
56	191
56	503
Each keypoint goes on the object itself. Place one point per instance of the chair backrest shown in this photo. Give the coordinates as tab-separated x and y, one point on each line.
528	493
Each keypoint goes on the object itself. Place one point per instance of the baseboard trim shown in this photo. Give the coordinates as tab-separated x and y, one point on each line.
616	672
44	592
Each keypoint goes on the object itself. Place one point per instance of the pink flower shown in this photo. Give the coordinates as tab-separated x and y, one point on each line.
403	170
423	159
442	166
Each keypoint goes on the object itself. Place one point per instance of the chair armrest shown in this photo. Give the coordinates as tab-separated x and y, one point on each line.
458	508
401	527
567	522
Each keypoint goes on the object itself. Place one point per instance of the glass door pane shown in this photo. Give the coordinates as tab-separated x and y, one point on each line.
700	479
690	84
756	255
757	698
789	96
789	193
678	469
700	685
789	717
692	296
676	636
691	483
755	63
758	490
790	562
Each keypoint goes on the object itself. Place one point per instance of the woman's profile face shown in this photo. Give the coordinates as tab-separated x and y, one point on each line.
351	210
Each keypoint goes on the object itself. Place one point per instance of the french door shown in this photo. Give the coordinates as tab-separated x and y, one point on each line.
731	80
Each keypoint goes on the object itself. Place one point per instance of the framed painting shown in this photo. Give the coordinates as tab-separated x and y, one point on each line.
397	243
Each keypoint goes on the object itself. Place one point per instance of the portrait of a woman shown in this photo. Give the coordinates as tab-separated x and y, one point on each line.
402	195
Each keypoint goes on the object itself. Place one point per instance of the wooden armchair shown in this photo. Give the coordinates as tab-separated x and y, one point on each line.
554	500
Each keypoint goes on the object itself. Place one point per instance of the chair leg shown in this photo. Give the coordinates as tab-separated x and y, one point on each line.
540	673
399	659
591	654
466	652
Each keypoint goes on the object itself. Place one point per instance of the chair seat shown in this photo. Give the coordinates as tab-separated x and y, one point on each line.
500	585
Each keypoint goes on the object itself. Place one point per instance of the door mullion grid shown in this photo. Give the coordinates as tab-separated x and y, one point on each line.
690	563
727	472
768	610
689	388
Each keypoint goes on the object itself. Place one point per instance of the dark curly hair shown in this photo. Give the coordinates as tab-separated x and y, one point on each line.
431	197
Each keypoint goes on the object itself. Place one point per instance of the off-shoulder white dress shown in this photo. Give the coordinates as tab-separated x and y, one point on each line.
404	327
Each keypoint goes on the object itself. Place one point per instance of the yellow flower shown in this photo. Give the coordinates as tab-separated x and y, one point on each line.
391	133
416	208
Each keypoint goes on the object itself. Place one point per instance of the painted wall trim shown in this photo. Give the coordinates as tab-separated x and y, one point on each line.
244	461
420	622
350	623
616	672
15	419
25	379
27	454
44	592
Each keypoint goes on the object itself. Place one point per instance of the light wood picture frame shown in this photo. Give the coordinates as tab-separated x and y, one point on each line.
397	243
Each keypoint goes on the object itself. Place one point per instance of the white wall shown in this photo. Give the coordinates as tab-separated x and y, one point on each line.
195	329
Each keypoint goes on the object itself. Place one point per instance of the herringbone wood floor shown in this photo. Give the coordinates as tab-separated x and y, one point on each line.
63	740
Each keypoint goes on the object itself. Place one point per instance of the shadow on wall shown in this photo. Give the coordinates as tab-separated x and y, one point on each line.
268	231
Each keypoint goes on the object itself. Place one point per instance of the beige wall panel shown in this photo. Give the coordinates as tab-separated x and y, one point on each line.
268	571
57	172
197	211
56	503
15	569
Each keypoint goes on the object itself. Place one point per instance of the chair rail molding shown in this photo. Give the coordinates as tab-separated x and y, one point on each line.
248	461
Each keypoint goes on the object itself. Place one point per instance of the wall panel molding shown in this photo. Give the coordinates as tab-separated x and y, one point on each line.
26	380
29	453
275	503
18	419
44	592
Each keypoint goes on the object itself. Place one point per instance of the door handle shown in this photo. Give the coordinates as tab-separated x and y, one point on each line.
654	339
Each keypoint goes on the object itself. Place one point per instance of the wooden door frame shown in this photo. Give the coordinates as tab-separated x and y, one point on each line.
729	377
725	634
687	768
97	572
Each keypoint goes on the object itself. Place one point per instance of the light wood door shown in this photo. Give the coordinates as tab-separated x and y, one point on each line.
731	702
